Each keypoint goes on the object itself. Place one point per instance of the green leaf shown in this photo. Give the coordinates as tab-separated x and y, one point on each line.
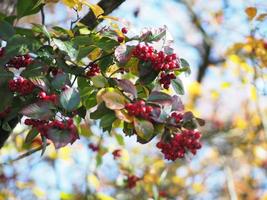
100	111
152	35
90	101
146	73
61	138
178	86
160	98
28	7
107	120
32	70
31	135
99	81
7	30
70	99
5	75
105	63
84	51
6	127
106	44
184	66
144	129
38	28
119	139
67	47
40	110
59	80
8	97
127	86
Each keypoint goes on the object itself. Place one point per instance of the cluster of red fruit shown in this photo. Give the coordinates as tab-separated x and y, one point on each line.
177	116
4	113
132	180
93	70
21	86
165	79
159	60
20	61
44	97
179	144
139	109
44	126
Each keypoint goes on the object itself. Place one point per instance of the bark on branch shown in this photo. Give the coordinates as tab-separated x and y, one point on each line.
107	5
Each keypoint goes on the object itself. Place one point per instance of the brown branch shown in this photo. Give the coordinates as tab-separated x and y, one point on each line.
107	5
207	45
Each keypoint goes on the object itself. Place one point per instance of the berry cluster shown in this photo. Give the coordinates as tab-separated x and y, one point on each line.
44	97
132	180
179	144
19	61
44	126
93	70
159	60
165	79
21	86
177	116
139	109
4	113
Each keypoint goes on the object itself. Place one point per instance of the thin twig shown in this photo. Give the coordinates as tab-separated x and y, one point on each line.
43	16
24	155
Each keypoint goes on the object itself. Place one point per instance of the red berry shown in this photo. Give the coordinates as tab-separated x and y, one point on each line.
42	95
116	153
120	39
124	30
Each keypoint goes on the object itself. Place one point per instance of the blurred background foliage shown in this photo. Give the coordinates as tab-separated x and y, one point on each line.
226	45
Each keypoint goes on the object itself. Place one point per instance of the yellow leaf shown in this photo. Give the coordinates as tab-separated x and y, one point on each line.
195	89
110	17
38	192
251	12
73	4
262	17
215	95
240	123
122	115
96	9
225	85
253	93
114	100
95	54
93	182
101	196
198	187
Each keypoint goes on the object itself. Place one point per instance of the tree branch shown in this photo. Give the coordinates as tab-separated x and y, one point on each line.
207	45
107	5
